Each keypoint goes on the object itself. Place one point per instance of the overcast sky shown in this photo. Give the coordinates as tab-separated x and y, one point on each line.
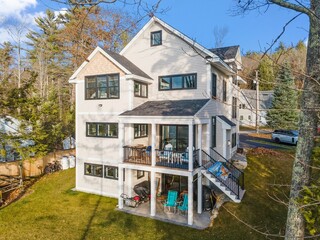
197	19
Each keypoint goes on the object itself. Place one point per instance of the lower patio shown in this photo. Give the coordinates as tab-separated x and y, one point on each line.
200	221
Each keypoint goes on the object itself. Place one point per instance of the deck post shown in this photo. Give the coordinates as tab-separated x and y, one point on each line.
153	194
153	144
120	187
199	200
190	145
121	142
209	132
200	143
129	181
190	199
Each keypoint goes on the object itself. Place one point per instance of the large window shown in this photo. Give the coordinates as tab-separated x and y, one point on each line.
110	172
214	132
108	130
102	86
156	38
176	82
214	86
224	91
93	170
140	130
140	89
176	135
234	107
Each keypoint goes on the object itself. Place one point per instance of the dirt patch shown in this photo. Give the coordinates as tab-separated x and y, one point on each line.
265	151
260	135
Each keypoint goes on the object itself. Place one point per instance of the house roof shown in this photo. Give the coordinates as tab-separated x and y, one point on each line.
265	98
167	108
127	64
120	61
227	121
226	52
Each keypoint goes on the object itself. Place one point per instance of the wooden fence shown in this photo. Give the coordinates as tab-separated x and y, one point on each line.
33	167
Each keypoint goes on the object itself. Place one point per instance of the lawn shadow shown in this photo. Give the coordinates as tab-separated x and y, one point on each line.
86	231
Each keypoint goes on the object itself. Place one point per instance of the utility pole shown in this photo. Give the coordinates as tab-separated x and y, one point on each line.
257	102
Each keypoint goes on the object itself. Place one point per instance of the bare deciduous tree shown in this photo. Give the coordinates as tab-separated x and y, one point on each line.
309	105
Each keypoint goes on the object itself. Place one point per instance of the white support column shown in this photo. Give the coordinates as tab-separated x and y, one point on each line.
153	194
190	145
129	181
200	143
120	187
190	199
153	144
121	142
199	192
209	132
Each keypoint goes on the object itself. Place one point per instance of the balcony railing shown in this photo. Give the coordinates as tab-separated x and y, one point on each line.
165	158
176	159
137	154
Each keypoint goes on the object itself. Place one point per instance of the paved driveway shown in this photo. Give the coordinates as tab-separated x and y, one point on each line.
247	141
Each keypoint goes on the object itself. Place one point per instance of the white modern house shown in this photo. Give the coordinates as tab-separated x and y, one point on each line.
164	109
248	107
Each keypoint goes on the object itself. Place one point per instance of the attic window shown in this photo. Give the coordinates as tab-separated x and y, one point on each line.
156	38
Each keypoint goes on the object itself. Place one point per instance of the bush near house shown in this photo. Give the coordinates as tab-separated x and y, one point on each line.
52	210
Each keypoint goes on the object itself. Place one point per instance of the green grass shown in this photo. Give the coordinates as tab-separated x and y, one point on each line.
51	210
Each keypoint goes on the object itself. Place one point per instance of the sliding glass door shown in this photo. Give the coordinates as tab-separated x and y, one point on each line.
176	135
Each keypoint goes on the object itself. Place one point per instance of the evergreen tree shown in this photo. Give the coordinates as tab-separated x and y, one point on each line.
284	112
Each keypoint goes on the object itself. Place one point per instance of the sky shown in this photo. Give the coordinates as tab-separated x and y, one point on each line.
254	31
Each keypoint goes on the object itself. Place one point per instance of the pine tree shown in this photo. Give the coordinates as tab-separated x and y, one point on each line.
284	112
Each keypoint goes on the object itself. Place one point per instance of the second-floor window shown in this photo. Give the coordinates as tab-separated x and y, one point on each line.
102	86
176	82
140	89
107	130
140	130
224	91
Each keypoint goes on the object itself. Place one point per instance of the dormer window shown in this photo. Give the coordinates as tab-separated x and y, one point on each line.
156	38
140	89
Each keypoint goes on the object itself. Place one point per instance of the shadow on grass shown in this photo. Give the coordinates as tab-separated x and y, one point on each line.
86	231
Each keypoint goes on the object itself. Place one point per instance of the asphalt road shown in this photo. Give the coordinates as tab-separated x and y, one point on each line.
247	141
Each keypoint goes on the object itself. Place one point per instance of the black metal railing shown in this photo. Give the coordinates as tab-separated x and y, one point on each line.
231	178
176	159
236	171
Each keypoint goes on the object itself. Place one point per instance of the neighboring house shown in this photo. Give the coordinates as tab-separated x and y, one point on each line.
162	110
247	107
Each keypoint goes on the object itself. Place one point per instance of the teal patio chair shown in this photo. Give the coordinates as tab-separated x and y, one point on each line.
171	202
183	207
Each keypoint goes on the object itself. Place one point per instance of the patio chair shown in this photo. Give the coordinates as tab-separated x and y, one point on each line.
166	154
215	169
171	202
183	206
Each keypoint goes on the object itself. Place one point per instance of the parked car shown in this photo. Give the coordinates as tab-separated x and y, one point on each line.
285	136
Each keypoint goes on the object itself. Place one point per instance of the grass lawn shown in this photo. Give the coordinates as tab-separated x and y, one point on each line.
51	210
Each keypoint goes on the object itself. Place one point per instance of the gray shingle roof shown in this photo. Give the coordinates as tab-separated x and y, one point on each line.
168	108
127	64
226	120
225	52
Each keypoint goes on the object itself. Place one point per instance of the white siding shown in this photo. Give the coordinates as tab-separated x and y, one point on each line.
174	56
